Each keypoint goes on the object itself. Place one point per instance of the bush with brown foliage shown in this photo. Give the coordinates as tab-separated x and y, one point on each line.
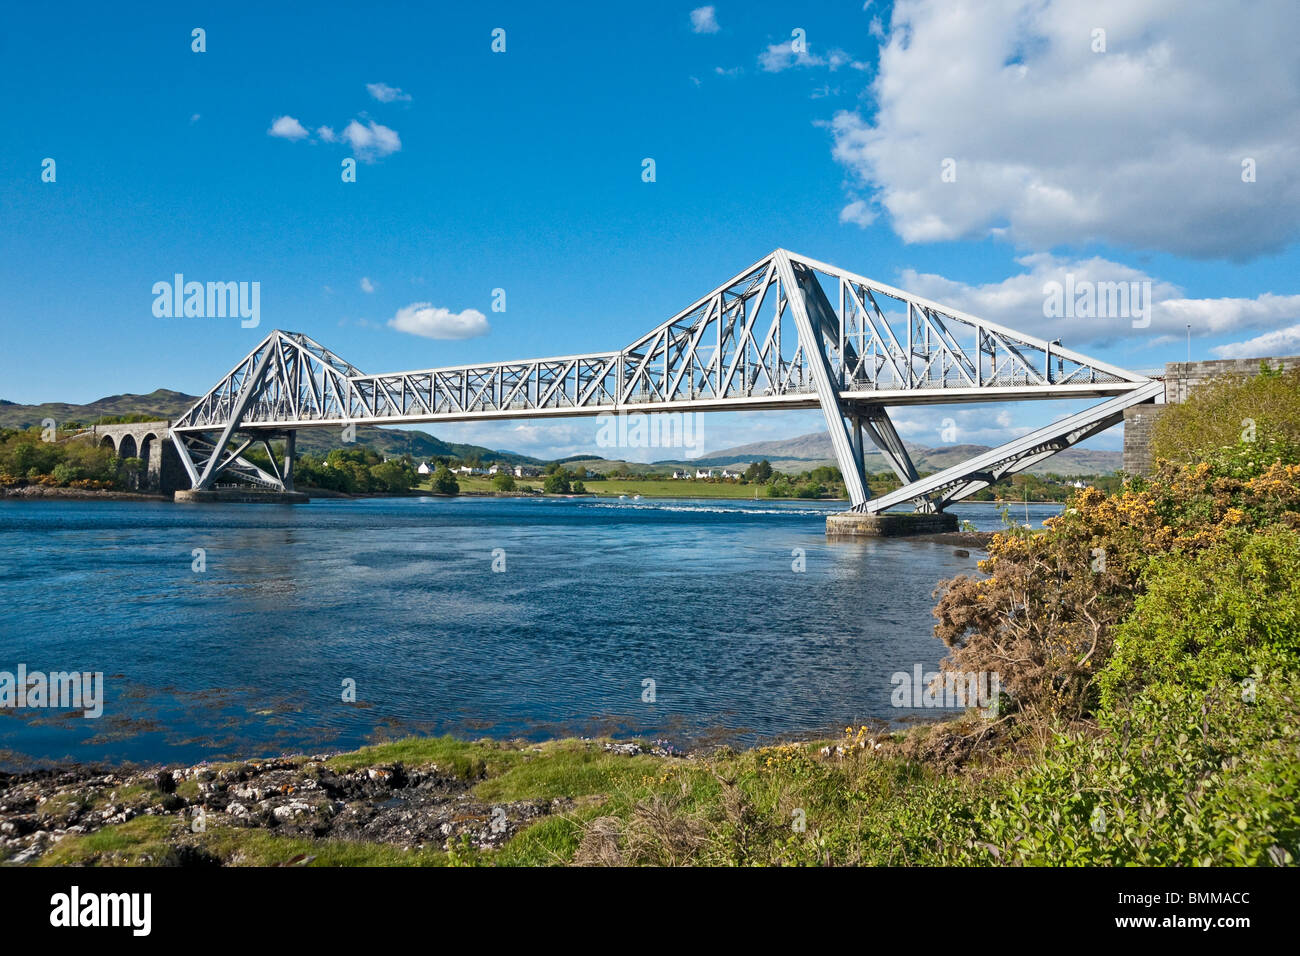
1044	619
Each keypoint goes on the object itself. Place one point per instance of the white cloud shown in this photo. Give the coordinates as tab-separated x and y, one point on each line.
1229	315
858	212
779	57
387	94
938	425
1018	302
195	118
1280	342
367	285
1140	145
372	141
286	127
704	20
422	318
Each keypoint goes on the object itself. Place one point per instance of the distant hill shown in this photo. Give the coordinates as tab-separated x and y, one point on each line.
814	450
162	404
165	404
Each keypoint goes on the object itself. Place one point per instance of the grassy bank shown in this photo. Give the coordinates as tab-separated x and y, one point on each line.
1219	790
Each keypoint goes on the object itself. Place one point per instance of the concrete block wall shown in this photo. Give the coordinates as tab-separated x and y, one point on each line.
1182	377
1138	425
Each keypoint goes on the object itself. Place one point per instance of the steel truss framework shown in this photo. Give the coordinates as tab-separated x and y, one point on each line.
788	332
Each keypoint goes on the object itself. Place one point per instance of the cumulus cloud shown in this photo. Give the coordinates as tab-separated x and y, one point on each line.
986	424
1142	144
859	213
1019	302
372	141
704	20
423	319
286	127
367	285
387	94
1279	342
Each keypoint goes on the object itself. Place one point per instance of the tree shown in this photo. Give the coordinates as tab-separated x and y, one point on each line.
503	481
557	483
393	475
444	482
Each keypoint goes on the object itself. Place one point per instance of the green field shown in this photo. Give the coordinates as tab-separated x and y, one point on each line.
480	485
650	488
668	488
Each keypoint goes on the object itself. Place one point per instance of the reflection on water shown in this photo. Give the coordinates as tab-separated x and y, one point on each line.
399	595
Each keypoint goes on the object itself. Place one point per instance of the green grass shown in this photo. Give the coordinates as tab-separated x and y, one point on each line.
469	760
650	488
790	805
566	768
154	841
667	488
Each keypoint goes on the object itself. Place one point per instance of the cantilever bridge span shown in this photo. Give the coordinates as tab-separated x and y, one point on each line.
788	332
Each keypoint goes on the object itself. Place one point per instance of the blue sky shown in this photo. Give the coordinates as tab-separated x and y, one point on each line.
522	170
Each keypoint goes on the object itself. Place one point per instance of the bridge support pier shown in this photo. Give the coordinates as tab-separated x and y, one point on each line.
286	473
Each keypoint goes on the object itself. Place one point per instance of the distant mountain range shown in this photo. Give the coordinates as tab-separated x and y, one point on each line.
790	455
814	450
165	404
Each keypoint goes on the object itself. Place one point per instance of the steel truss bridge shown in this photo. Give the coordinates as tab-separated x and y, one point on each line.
788	332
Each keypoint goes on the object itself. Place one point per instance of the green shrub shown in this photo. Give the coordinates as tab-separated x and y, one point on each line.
444	482
1197	777
64	473
1210	617
1221	413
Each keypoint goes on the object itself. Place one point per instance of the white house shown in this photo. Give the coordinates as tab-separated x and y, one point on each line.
680	475
727	473
424	468
703	472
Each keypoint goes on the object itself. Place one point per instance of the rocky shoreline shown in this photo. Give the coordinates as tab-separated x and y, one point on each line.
429	806
83	494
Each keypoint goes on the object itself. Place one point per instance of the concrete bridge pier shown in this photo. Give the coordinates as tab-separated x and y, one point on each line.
290	446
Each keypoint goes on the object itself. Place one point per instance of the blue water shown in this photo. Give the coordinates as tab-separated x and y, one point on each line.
249	656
